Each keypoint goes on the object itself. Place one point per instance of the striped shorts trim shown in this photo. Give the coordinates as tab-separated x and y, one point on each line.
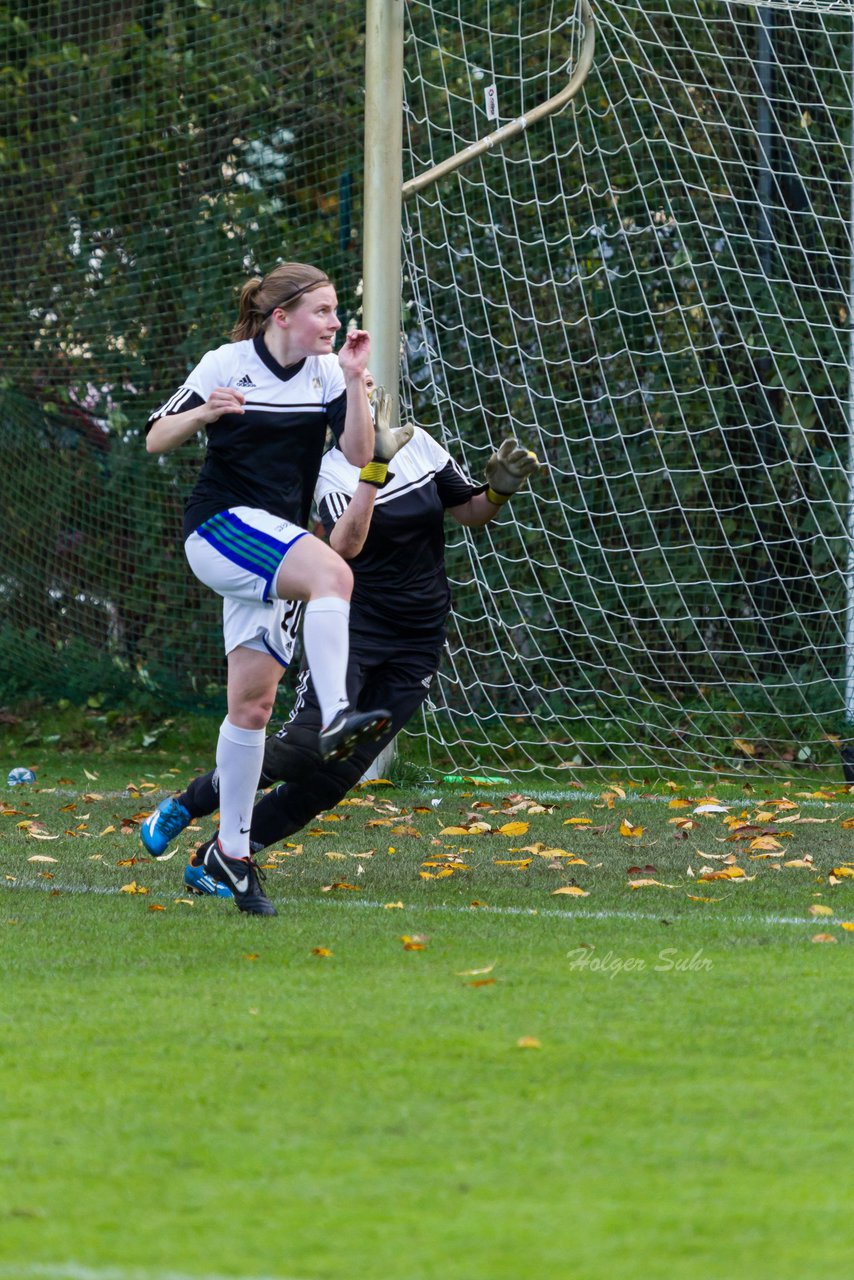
252	549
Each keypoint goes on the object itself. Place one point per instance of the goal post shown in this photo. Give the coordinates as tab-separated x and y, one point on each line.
384	189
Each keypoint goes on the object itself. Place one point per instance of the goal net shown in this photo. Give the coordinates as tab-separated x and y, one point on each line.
652	290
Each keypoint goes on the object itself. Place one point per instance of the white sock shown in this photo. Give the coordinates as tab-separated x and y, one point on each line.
326	638
239	756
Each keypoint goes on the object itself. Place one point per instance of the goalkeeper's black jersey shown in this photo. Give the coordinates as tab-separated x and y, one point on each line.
401	588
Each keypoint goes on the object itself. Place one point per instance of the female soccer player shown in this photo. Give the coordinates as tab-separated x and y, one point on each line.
389	525
265	400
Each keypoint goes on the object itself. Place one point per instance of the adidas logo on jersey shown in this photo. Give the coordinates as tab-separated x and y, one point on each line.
246	381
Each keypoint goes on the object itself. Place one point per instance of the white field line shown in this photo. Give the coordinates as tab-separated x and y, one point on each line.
551	795
75	1271
370	904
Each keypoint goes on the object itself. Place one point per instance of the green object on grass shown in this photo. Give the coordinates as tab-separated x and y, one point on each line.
459	777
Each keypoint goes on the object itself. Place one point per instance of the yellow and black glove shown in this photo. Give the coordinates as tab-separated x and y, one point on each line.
387	440
507	470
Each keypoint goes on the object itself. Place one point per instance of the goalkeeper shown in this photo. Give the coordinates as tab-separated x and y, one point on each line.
387	520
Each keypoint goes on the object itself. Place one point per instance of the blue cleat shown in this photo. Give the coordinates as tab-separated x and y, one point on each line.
161	827
197	880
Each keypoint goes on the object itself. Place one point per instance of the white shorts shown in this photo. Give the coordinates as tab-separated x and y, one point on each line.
237	553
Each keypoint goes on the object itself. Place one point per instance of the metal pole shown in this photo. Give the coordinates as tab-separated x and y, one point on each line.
383	217
381	270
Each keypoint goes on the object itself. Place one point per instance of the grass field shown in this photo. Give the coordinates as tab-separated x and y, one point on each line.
448	1069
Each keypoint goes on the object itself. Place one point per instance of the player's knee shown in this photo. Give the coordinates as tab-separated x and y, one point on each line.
333	578
291	757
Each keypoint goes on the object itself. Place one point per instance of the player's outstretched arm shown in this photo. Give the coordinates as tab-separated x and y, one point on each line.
507	470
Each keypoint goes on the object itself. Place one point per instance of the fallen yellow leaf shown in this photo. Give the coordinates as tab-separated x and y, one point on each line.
764	842
819	909
320	951
573	890
823	937
528	1042
626	829
844	873
514	828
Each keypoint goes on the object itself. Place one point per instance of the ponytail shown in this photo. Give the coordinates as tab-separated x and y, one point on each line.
250	319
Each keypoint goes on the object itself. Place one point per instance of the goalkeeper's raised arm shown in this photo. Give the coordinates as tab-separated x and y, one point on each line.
506	471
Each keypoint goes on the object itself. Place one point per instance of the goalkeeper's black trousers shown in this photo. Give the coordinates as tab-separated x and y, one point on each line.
396	674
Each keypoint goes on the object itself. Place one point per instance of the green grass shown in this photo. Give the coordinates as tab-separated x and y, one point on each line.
188	1092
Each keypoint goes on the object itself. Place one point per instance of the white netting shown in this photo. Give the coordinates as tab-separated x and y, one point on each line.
652	290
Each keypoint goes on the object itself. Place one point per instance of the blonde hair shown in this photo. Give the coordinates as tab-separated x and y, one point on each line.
282	287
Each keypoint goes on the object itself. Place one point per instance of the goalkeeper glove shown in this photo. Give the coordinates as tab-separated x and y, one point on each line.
507	470
387	440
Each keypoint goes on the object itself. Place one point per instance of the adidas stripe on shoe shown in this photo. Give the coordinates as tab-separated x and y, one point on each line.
197	880
161	827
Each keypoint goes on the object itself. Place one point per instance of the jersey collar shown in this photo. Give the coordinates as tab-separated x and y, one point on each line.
284	372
